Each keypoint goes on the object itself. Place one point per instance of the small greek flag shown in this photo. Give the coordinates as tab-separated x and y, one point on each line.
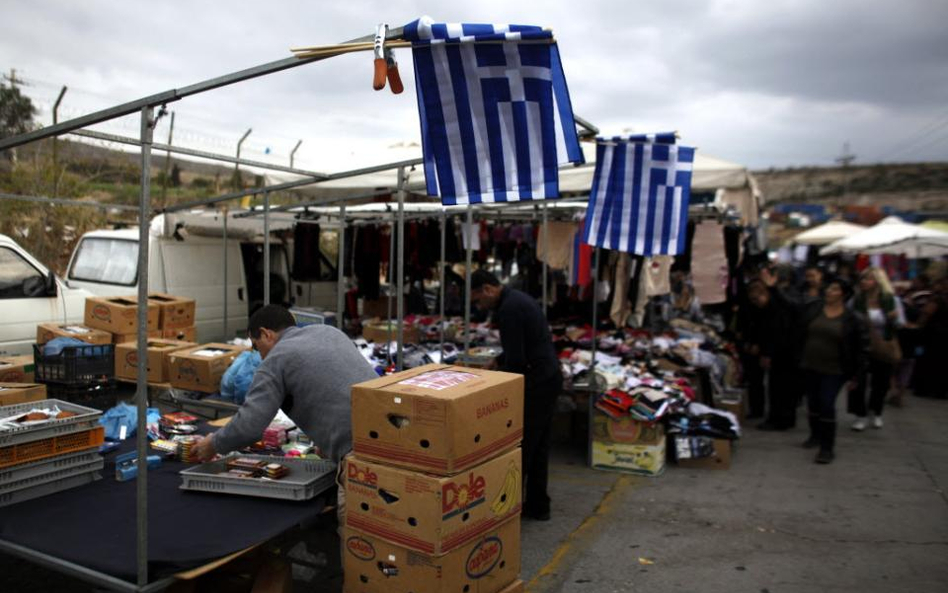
496	119
640	194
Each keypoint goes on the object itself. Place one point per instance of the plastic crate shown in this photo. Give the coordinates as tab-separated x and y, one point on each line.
76	365
85	419
45	489
23	471
52	446
307	478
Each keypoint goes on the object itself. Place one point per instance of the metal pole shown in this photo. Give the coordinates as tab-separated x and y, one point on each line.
266	248
400	361
237	164
293	152
468	232
164	181
546	256
595	319
144	218
340	271
59	100
391	283
441	296
225	274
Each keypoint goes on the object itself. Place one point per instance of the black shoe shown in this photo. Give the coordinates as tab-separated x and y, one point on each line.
824	457
811	443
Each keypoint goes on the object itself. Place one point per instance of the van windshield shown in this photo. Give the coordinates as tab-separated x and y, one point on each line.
109	261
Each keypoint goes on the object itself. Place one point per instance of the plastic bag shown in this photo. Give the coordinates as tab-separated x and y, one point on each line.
125	415
237	379
55	346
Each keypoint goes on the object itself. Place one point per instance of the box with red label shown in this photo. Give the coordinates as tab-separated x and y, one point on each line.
200	368
118	315
174	311
50	331
487	564
126	359
624	430
125	338
184	334
432	514
17	369
21	393
439	419
514	587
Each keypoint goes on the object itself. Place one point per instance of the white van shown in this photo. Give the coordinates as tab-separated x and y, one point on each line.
29	295
186	258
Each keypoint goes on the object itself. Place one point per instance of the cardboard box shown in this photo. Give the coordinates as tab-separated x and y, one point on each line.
440	419
133	337
488	564
432	514
200	368
17	369
646	458
380	308
174	311
624	430
514	587
118	315
21	393
50	331
126	359
720	459
182	334
378	331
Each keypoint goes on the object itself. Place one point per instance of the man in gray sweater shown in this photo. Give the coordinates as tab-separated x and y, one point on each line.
307	372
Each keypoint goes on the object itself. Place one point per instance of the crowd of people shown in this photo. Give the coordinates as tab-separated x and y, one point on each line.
831	336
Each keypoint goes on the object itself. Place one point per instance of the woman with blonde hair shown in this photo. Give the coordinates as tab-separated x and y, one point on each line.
876	302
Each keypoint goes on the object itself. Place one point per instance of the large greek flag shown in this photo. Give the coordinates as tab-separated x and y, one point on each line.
496	119
640	194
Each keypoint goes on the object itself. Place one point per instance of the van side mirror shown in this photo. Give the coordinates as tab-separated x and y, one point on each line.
52	289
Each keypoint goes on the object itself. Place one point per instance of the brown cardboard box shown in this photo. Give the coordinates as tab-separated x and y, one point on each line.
133	337
17	369
49	331
126	359
514	587
174	312
190	369
379	308
487	564
21	393
432	514
624	430
118	315
437	418
645	457
184	334
378	331
720	460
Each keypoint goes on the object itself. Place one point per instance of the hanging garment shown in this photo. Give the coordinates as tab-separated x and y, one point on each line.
709	263
683	260
556	251
471	234
580	265
621	307
306	255
368	260
657	275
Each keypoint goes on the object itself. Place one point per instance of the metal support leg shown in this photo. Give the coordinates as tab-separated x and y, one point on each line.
400	362
266	248
595	319
467	279
141	395
441	264
226	337
341	266
391	283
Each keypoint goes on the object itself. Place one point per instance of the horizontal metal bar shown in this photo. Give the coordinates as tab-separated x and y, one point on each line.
81	572
322	202
591	129
197	153
67	202
172	95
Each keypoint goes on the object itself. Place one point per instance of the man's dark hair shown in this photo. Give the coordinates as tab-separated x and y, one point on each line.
272	317
481	277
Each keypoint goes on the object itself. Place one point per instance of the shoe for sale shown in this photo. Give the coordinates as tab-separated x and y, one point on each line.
824	457
859	425
877	421
811	443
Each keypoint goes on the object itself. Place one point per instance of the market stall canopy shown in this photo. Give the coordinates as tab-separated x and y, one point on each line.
827	233
893	236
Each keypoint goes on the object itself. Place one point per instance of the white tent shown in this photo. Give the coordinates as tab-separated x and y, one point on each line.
827	233
893	236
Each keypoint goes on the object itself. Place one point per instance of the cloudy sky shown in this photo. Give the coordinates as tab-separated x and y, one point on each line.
765	83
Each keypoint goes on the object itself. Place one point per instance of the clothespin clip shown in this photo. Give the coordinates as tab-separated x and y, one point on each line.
394	80
378	80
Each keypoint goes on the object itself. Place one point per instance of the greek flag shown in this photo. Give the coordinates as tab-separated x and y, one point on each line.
496	119
640	194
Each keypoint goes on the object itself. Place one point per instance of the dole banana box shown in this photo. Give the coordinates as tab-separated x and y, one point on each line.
126	359
439	419
487	564
432	514
514	587
174	311
50	331
118	315
200	368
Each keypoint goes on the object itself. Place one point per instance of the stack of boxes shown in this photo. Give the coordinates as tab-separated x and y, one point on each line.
176	316
126	359
433	488
119	317
627	445
200	368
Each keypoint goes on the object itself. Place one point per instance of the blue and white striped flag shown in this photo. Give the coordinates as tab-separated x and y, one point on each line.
496	119
640	194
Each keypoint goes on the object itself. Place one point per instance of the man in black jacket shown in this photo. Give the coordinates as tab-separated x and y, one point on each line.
528	350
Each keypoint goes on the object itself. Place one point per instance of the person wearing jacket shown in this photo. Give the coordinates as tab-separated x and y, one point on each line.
875	301
771	331
833	356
